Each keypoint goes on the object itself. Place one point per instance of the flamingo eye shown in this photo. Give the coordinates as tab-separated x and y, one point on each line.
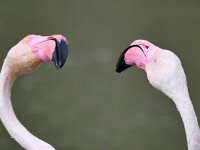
144	46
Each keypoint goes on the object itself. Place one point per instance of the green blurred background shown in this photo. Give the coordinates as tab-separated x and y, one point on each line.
86	105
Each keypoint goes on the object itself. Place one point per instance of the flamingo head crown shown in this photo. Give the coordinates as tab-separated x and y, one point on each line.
163	68
26	56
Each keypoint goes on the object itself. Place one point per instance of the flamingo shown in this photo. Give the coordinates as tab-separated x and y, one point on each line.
24	58
165	73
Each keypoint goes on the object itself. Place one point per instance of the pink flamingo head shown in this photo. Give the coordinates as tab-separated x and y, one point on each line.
26	55
162	66
139	53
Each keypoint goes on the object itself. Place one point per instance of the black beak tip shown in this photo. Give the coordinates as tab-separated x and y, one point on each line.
60	53
121	64
121	68
117	70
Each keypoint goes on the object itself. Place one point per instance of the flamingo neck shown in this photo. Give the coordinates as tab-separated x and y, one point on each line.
9	119
187	112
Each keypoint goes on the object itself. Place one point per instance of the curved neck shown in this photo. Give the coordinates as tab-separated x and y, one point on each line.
187	112
9	119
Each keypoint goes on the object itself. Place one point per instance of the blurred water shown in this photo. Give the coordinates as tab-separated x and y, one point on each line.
86	105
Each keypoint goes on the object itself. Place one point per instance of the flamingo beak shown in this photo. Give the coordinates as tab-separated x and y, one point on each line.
60	53
121	64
